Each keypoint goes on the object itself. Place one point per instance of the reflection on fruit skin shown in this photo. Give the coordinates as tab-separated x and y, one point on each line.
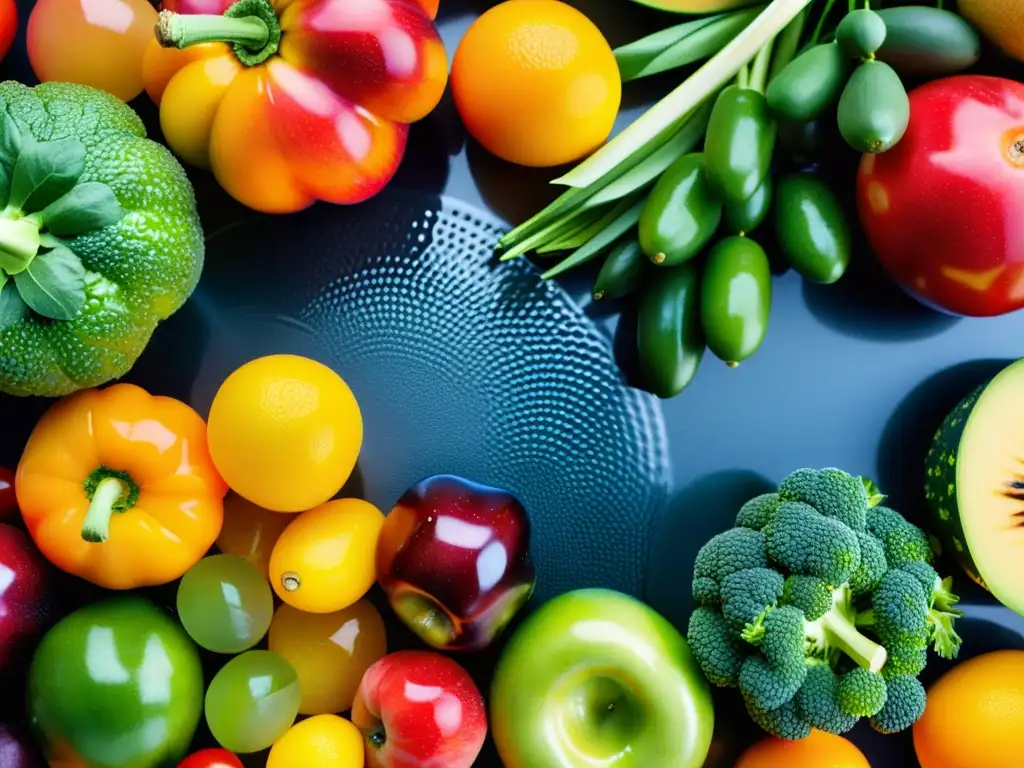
330	652
250	531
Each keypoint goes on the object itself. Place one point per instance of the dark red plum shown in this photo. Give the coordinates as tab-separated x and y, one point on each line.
454	560
24	594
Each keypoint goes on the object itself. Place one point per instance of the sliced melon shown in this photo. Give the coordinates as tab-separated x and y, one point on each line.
975	485
697	6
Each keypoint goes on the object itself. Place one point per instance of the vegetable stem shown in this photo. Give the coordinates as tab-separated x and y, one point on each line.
670	111
19	244
96	527
743	77
177	31
759	69
820	27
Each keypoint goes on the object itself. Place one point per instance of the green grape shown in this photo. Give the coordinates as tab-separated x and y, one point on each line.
225	604
252	701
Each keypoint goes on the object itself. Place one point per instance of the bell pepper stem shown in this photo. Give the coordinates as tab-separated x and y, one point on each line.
177	31
19	244
96	528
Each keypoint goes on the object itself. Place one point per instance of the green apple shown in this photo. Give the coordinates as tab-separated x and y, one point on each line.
595	677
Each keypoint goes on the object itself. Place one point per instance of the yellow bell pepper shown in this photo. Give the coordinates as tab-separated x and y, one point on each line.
117	486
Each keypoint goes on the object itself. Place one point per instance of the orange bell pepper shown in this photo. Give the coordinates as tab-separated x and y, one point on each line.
117	486
293	101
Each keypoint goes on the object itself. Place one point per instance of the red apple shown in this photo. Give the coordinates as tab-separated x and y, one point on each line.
942	210
419	708
454	560
8	501
24	593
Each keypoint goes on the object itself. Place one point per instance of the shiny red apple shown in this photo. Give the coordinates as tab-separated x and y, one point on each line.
24	593
944	209
454	559
8	501
419	708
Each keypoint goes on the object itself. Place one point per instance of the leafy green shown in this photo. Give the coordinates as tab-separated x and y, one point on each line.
628	214
45	171
12	307
54	284
88	206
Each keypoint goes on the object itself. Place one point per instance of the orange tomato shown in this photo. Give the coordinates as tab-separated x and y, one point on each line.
975	715
284	430
325	559
93	42
325	741
250	531
536	83
329	651
819	750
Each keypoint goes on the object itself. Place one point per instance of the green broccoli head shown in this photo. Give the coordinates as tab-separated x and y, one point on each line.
942	612
873	565
818	704
833	492
904	704
905	659
734	550
808	593
903	542
768	685
801	540
757	512
718	649
861	693
899	610
784	722
747	594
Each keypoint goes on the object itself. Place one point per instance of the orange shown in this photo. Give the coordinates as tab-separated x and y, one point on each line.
329	651
1001	21
819	750
975	715
326	558
250	531
285	432
536	83
324	741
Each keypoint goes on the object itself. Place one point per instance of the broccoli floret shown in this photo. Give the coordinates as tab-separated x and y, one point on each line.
905	659
768	685
734	550
941	610
831	491
817	701
873	565
904	705
718	650
746	595
784	722
861	693
903	542
801	540
808	593
757	512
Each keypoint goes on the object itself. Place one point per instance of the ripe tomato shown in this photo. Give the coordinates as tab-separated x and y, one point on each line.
8	501
211	758
8	25
942	209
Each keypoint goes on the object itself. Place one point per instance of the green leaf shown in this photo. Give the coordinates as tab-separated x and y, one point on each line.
10	139
54	284
628	211
12	307
45	171
873	492
88	206
695	40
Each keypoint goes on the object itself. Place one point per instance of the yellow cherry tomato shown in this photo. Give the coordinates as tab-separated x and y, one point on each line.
324	741
329	651
284	430
325	559
250	531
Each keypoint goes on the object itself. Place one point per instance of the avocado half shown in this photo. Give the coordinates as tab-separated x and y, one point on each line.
974	485
697	6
